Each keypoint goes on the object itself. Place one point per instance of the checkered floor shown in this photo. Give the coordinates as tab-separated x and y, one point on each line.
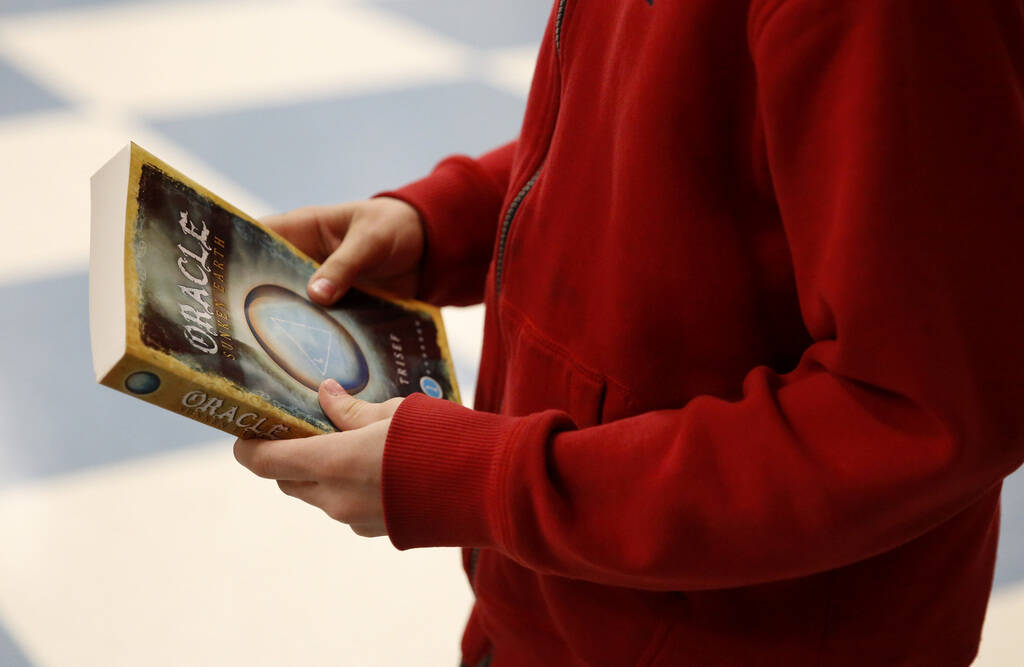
129	536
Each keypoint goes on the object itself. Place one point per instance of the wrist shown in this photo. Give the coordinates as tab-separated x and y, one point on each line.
440	475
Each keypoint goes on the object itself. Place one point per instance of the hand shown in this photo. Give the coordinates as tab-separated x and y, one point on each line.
376	243
338	472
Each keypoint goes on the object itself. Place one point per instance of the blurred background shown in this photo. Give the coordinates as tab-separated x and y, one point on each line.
129	536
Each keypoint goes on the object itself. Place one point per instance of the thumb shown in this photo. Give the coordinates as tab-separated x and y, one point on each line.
347	412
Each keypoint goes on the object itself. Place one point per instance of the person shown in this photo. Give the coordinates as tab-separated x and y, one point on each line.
752	360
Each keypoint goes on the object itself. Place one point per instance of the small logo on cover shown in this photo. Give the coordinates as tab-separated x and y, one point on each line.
431	387
142	382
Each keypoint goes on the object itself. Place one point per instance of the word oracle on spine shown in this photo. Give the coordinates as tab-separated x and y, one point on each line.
194	265
197	403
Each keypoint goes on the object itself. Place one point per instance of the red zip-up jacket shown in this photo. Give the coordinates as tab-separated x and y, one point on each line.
754	343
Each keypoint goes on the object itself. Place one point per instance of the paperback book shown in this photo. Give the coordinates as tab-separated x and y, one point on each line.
198	308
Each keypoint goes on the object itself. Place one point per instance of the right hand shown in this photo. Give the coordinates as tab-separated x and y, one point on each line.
376	243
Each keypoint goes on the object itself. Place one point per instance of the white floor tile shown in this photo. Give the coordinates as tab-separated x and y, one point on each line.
168	58
464	328
44	186
187	559
1002	640
511	69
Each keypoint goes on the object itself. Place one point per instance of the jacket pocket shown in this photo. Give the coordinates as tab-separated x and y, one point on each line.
542	375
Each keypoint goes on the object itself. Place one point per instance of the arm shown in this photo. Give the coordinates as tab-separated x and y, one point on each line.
895	135
459	204
431	238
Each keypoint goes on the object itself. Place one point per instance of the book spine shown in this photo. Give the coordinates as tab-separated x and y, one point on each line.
223	407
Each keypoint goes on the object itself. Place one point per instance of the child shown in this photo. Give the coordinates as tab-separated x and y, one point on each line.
751	373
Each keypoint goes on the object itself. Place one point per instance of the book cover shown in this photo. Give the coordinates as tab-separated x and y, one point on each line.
196	307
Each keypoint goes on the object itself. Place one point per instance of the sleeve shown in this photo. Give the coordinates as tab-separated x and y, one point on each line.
459	203
895	137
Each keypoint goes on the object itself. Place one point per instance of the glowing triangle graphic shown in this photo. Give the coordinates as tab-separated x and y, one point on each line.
321	340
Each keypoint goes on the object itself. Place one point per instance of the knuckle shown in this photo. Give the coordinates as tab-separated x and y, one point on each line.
315	214
262	463
335	268
352	409
329	269
347	410
339	470
337	259
376	235
239	450
325	233
251	455
305	215
362	531
341	511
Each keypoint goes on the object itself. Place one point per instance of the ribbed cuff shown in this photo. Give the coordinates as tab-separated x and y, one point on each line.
459	205
441	474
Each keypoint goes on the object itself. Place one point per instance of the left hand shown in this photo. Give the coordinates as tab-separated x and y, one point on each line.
338	472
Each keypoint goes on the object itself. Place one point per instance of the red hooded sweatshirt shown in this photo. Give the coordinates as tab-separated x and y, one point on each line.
754	343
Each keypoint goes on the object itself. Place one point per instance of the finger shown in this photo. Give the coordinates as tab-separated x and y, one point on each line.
315	230
295	488
357	252
338	504
368	529
311	493
349	413
297	459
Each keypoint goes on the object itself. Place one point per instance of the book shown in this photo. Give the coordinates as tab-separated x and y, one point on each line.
196	307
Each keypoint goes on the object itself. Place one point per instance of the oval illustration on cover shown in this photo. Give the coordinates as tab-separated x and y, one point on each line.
304	340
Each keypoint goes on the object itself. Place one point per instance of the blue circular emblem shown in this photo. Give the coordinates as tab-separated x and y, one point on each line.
142	382
431	387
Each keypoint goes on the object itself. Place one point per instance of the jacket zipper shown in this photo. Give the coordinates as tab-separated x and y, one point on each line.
506	224
558	27
513	207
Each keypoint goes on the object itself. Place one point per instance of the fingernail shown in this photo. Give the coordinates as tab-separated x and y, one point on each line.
323	288
332	387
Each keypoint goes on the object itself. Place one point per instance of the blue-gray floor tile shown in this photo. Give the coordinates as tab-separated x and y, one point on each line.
1010	562
56	418
24	6
347	148
10	654
20	94
482	23
29	6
